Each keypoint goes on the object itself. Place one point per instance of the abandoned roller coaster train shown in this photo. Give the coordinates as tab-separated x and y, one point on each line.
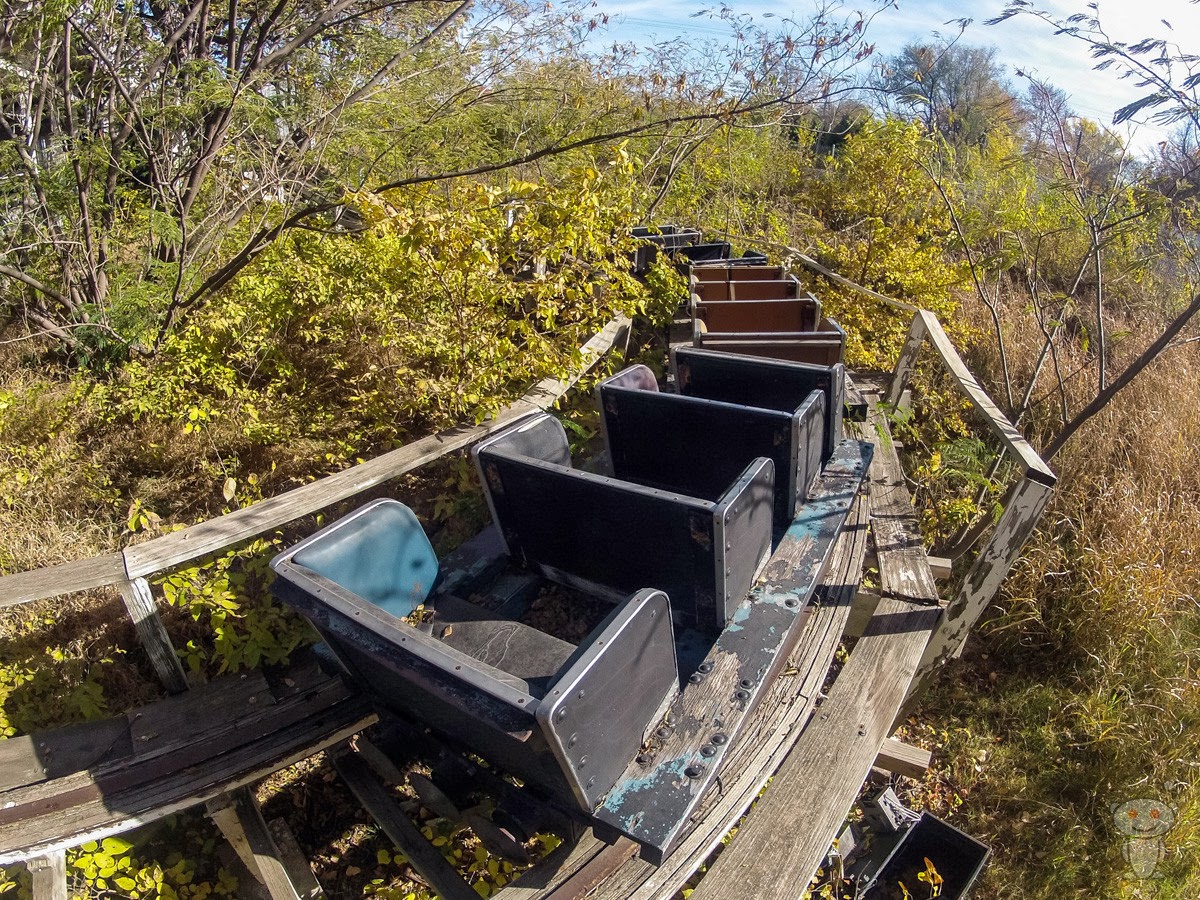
708	530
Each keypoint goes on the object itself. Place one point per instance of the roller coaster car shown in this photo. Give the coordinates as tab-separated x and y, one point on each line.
687	514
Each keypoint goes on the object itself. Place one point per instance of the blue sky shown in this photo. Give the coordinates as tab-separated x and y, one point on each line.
1023	42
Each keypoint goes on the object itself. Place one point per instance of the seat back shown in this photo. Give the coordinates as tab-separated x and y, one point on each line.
734	316
774	289
718	272
765	383
615	535
698	446
704	252
379	553
801	347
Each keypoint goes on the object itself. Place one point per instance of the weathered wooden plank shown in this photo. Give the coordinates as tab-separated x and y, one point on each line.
423	856
207	537
565	860
1008	434
95	820
78	575
1023	506
49	876
903	566
240	820
903	759
29	759
118	795
139	603
125	778
941	567
223	705
796	820
595	871
298	868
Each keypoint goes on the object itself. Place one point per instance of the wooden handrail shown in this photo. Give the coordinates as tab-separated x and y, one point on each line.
1023	504
205	538
77	575
925	326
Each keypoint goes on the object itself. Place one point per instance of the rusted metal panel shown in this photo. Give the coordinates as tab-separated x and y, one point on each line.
825	346
754	316
745	290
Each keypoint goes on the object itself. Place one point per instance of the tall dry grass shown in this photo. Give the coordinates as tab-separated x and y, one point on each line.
1082	690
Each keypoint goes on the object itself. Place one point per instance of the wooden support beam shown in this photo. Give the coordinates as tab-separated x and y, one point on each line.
903	759
241	821
907	361
423	856
294	861
49	876
139	602
941	567
903	566
861	612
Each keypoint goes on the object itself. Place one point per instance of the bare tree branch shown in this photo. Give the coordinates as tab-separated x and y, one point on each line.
1134	369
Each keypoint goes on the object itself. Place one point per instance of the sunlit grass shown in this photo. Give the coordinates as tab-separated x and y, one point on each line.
1082	690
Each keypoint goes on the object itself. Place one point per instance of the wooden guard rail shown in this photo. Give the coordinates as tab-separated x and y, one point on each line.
1023	504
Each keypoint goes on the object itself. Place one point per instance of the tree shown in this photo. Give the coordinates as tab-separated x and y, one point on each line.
164	146
158	132
1098	184
956	90
1044	106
